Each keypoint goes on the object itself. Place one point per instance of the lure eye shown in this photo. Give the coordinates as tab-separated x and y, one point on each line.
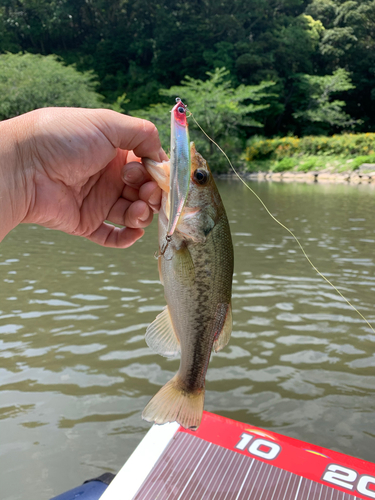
201	177
181	109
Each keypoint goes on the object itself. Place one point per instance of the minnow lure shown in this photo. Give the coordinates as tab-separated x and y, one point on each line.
180	162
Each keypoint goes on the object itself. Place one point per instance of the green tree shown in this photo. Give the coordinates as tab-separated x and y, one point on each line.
30	81
138	47
226	114
321	108
349	42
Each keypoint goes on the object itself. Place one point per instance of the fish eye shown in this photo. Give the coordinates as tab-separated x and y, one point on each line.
201	176
181	109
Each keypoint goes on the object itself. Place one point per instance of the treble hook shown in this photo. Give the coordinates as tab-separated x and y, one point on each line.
168	239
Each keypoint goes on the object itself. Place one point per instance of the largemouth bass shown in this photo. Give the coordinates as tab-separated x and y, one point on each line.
196	269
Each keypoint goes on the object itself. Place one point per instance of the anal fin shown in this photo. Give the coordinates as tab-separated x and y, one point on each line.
161	337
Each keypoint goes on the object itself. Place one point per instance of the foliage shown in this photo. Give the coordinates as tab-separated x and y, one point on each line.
348	42
225	113
308	163
320	107
285	147
140	47
30	81
119	104
221	109
360	160
284	164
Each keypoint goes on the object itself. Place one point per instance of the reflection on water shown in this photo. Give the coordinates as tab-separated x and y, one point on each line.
75	372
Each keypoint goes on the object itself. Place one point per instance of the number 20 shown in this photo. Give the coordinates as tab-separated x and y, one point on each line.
346	478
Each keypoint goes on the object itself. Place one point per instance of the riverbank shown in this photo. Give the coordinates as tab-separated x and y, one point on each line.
359	176
344	158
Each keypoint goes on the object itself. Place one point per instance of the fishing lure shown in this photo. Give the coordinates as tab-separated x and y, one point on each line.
179	164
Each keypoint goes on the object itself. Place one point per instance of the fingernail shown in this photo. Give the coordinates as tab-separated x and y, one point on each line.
145	215
154	198
133	176
162	155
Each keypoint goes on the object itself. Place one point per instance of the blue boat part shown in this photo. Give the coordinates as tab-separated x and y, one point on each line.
89	490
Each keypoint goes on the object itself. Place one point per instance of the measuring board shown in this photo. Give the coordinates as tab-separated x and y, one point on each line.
229	460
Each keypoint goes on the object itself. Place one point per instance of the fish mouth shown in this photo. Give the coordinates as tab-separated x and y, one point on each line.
159	171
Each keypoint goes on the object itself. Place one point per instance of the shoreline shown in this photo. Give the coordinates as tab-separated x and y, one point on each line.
325	177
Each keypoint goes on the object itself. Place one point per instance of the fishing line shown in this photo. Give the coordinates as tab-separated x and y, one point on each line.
283	226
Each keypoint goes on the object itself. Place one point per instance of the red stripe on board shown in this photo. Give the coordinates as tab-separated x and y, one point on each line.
352	476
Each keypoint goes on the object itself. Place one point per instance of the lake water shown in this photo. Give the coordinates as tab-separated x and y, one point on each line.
75	371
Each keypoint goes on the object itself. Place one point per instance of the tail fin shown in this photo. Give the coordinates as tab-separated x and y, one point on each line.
174	404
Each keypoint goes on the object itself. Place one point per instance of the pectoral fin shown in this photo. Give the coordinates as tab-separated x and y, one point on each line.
222	326
161	337
183	266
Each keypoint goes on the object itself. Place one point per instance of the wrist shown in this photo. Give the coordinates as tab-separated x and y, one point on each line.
13	183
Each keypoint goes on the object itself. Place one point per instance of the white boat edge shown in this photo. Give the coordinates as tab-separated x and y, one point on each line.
135	470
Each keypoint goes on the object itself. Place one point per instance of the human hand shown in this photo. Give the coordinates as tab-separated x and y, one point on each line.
76	168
